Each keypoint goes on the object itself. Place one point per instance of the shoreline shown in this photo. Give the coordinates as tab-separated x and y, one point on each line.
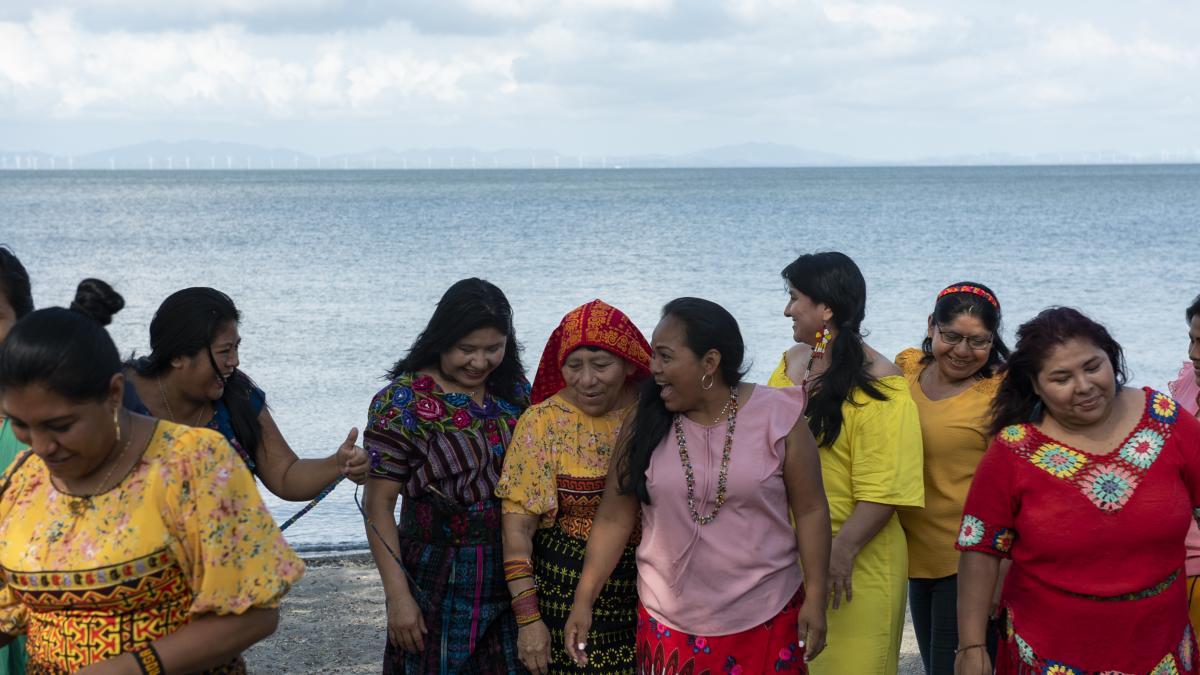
334	621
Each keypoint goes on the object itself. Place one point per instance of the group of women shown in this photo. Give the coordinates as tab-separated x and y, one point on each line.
638	507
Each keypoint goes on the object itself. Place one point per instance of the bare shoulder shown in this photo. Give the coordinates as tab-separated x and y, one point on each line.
879	365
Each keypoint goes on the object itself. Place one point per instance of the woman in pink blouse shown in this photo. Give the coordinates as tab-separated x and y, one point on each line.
1186	390
715	464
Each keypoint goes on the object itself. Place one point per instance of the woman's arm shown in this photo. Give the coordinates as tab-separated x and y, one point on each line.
294	479
406	626
533	640
614	524
977	575
208	641
867	519
810	508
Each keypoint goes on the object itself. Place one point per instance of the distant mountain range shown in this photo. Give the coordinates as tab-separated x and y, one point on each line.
159	155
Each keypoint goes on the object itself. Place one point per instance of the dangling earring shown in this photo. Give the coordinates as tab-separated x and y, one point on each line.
116	424
822	343
708	386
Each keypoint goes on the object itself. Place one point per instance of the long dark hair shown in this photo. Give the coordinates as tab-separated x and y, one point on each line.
706	326
185	325
1016	401
14	283
66	350
956	303
832	279
465	307
1193	309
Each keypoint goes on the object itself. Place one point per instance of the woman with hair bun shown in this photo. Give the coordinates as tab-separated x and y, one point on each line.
192	376
864	419
952	379
1088	487
145	545
15	302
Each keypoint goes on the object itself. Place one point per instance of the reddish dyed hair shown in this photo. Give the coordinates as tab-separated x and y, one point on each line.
1016	401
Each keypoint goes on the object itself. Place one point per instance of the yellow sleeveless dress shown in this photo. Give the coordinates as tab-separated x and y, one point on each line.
877	457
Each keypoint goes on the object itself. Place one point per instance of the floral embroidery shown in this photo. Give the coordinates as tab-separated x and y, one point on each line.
1108	481
1003	539
1023	648
1109	488
699	644
1185	649
1013	433
1166	666
1142	448
1163	408
1012	641
1054	668
971	532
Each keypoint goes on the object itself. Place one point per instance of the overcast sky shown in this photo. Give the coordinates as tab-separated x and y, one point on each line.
867	79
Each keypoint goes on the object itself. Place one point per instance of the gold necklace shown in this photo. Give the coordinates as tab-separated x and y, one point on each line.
171	413
81	504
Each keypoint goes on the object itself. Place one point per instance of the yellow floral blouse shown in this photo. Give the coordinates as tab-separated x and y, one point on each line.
185	533
556	447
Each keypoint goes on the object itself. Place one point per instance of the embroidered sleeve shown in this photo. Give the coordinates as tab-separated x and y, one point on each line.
226	541
989	512
391	425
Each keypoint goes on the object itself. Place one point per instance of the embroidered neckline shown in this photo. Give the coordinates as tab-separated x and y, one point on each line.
1108	481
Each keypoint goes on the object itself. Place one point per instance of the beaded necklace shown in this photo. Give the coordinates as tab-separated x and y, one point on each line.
722	476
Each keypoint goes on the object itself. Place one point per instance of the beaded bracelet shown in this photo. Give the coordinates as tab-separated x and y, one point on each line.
525	607
148	661
518	568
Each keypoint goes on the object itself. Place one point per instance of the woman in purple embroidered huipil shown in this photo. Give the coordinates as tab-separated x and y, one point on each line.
438	433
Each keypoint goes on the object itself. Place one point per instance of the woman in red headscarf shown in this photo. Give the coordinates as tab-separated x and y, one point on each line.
552	482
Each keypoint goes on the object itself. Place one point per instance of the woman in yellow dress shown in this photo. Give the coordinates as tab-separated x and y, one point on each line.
860	411
553	478
137	545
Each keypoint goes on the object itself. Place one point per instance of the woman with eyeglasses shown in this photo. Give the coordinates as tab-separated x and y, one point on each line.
952	378
191	377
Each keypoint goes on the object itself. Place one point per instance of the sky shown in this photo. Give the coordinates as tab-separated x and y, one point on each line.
877	80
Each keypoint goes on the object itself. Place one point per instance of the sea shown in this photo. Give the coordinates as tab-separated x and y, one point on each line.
336	272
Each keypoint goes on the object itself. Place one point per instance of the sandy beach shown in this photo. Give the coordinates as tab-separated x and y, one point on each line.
333	622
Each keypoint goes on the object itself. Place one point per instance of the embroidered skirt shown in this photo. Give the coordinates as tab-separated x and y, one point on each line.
454	554
770	647
557	563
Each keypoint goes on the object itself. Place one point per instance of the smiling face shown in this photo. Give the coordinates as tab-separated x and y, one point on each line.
1076	383
469	362
1194	345
194	376
808	317
677	369
74	439
595	380
957	362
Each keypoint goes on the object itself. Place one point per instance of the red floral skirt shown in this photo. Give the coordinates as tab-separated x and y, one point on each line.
770	647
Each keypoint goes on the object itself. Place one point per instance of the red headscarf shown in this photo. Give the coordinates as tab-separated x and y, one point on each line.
596	324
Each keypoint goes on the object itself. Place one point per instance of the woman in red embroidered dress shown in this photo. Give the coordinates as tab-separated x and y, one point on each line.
1089	487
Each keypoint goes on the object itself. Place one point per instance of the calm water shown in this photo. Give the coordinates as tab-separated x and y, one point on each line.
335	272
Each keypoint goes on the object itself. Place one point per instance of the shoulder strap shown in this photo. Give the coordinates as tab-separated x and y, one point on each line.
13	469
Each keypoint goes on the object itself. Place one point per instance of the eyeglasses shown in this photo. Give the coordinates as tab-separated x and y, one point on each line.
976	342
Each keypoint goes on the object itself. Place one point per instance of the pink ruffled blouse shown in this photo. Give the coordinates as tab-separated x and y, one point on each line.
1184	390
744	561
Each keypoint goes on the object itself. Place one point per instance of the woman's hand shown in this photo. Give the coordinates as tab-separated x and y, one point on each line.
812	629
972	661
533	647
841	570
406	626
353	462
575	633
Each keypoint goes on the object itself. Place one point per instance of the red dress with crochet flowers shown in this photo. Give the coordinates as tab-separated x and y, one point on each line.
1097	583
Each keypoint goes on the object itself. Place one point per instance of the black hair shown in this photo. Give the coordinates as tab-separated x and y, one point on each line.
1016	400
66	350
832	279
1193	309
467	306
14	283
706	326
952	305
185	324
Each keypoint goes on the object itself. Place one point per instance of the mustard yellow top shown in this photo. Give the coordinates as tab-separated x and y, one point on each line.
555	442
185	533
954	431
877	455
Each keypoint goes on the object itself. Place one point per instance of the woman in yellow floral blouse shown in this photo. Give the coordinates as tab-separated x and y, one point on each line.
551	486
134	544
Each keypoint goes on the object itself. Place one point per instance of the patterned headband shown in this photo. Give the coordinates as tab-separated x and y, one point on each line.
973	290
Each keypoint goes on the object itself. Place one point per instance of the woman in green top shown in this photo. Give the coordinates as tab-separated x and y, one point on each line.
16	301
